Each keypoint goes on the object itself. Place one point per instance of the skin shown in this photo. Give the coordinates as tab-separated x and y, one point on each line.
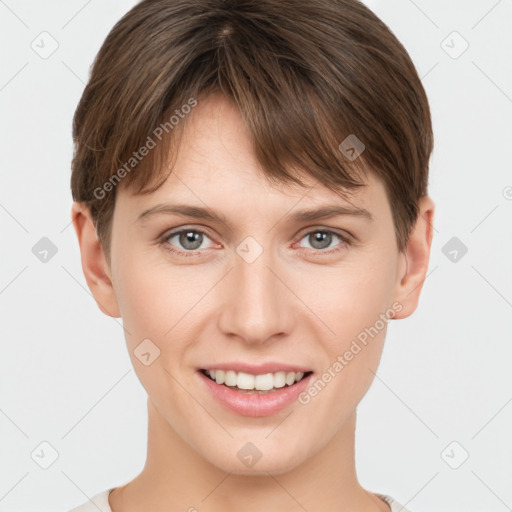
293	304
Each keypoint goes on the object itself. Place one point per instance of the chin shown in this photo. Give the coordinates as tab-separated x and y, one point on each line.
276	463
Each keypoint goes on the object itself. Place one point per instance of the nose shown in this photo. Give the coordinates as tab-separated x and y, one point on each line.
256	306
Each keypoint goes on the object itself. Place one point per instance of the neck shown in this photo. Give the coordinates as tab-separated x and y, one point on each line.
176	477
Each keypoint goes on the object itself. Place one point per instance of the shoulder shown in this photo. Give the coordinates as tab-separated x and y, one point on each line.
395	506
98	503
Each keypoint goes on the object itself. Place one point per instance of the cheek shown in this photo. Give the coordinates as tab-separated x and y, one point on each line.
355	303
163	303
142	306
352	296
151	296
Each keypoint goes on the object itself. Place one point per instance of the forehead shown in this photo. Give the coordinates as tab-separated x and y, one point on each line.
215	165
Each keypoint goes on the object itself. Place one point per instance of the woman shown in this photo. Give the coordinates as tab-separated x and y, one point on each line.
250	187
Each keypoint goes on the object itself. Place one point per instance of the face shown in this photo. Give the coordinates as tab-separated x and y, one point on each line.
258	294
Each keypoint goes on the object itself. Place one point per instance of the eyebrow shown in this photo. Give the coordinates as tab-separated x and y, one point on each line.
199	212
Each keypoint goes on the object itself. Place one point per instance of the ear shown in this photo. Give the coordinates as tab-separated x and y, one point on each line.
94	265
415	259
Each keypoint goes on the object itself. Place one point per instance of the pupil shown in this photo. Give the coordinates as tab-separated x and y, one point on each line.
321	238
189	239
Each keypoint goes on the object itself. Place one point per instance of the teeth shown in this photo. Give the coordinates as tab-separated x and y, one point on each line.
279	379
247	381
230	379
263	382
220	376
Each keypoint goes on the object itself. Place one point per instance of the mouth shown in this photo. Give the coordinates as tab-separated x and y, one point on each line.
250	389
262	384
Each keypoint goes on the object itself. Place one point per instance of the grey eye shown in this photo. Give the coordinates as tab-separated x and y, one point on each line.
188	239
321	239
191	240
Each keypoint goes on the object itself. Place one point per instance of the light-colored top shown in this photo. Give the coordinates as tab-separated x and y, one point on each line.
99	503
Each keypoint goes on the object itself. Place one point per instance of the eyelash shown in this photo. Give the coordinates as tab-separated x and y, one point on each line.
345	241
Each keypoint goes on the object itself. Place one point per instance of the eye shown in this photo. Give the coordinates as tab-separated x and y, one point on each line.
191	241
187	240
321	239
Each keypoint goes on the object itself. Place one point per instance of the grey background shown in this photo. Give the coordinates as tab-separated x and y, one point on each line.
65	376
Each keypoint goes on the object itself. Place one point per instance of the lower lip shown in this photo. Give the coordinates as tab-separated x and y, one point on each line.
255	404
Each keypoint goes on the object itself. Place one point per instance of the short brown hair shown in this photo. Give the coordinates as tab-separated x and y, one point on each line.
305	75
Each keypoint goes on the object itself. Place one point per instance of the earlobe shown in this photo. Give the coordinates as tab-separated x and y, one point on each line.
94	265
416	257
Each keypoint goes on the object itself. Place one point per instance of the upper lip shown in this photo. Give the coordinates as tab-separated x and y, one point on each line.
257	369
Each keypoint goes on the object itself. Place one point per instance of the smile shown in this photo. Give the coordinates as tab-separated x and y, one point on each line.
249	383
258	391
